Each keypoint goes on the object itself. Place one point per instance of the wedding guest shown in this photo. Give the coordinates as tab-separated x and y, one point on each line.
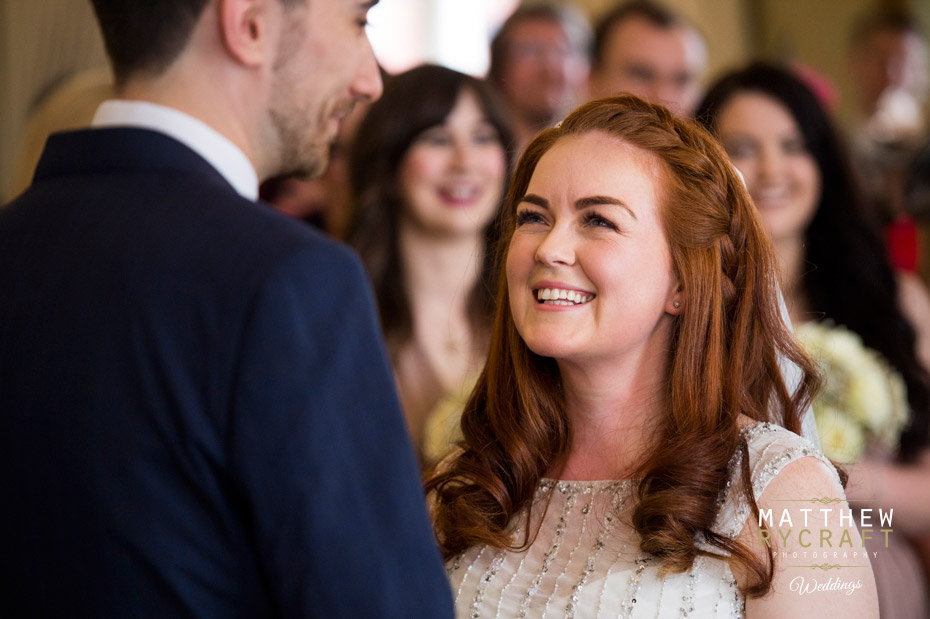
539	65
197	416
917	197
300	198
834	268
632	419
888	64
646	49
427	174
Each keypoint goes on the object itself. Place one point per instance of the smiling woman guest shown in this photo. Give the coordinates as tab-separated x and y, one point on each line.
835	273
427	172
631	420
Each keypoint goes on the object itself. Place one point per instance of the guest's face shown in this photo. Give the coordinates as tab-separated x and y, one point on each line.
660	65
766	145
452	176
544	74
889	60
589	232
324	66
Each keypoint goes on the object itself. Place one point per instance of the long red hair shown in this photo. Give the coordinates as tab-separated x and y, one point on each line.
723	361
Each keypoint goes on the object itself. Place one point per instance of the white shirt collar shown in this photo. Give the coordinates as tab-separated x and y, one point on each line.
219	151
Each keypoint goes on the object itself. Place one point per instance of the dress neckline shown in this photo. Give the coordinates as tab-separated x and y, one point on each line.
581	486
572	486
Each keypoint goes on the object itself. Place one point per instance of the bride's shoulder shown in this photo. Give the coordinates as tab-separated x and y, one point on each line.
791	465
772	449
791	479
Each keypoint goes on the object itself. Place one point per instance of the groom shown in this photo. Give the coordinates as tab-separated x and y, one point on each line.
197	417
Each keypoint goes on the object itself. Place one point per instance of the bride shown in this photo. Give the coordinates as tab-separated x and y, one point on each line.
631	436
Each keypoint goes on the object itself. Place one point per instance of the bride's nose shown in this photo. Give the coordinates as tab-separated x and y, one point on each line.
557	248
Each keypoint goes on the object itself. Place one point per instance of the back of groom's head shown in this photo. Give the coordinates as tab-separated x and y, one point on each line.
276	77
146	37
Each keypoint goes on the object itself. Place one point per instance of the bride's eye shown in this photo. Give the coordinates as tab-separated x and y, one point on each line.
529	216
591	218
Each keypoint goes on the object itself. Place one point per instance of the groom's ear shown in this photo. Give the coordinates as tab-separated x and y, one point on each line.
249	29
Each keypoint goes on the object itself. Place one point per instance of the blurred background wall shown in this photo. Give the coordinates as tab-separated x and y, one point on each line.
45	43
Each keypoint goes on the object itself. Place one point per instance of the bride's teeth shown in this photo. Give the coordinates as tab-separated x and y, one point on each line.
557	296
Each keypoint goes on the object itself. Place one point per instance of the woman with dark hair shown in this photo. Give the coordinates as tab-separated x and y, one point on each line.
427	172
835	274
632	426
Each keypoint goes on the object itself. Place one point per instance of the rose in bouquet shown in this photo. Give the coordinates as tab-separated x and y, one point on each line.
863	400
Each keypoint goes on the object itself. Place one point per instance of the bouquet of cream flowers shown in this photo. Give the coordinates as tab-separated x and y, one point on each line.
863	399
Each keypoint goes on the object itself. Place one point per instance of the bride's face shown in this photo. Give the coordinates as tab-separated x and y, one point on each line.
588	266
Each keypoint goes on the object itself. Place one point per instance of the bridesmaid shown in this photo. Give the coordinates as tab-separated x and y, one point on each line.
427	172
834	268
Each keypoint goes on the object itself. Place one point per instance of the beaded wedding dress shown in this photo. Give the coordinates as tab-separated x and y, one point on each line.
586	561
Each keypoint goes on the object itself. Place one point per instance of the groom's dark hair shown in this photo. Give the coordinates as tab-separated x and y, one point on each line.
146	36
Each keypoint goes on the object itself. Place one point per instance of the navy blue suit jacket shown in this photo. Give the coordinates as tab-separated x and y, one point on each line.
197	416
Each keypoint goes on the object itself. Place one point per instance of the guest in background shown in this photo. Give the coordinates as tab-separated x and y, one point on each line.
646	49
888	64
539	65
917	200
834	268
633	366
427	173
297	197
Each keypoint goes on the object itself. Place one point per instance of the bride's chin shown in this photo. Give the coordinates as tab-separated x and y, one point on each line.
548	349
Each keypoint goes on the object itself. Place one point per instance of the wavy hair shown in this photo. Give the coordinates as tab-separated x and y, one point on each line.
723	361
413	102
851	280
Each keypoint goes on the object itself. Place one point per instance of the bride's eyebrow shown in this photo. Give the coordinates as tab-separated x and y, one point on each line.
539	201
581	203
